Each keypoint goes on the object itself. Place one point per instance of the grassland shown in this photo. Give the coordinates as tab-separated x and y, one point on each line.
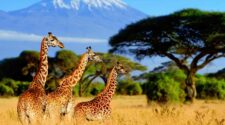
133	110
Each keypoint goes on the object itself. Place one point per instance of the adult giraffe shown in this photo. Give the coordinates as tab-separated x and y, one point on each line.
99	107
32	103
60	102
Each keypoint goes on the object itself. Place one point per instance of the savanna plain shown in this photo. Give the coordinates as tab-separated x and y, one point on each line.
133	110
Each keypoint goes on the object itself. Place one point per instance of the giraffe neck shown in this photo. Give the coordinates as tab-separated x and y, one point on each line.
111	85
76	75
41	74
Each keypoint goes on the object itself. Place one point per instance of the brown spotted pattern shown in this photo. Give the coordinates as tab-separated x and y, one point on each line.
60	102
99	108
32	103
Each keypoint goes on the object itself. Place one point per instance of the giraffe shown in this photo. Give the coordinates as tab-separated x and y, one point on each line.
60	102
99	107
31	104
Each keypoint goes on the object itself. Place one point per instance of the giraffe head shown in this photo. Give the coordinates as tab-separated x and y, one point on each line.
53	41
92	56
120	68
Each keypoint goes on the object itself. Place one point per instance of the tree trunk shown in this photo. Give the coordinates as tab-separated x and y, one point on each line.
190	88
80	91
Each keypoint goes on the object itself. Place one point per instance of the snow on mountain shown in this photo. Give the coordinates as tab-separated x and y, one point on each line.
75	4
72	18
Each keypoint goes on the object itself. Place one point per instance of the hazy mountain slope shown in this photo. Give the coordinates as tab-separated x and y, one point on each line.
74	18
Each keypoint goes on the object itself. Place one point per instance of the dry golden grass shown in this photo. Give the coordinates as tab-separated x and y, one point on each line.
133	110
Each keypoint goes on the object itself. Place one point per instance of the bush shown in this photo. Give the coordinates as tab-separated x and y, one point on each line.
5	88
162	88
22	86
129	87
10	87
209	88
134	89
94	89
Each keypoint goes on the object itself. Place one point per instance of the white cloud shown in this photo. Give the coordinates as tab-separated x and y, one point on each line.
18	36
83	40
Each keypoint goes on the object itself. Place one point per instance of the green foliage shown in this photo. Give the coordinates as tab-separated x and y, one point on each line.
191	38
10	87
165	84
163	88
111	59
24	67
6	87
94	89
22	86
20	68
30	62
210	88
129	87
134	89
66	60
183	32
51	85
101	70
76	90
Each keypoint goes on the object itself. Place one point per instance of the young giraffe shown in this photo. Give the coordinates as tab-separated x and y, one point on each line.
32	102
60	102
99	108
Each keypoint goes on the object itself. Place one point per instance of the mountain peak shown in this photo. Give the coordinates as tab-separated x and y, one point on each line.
76	4
72	18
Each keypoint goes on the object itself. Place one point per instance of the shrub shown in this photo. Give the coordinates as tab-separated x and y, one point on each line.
22	86
10	87
134	89
162	88
210	88
94	89
129	87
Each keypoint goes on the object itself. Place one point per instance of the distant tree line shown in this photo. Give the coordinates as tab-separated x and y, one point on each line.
163	84
16	73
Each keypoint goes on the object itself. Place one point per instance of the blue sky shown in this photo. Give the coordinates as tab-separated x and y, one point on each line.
161	7
151	7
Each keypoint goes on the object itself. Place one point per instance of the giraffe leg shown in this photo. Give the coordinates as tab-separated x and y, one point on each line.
24	118
52	116
69	112
22	113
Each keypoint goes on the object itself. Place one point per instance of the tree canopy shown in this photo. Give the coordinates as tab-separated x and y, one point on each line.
101	70
191	38
23	68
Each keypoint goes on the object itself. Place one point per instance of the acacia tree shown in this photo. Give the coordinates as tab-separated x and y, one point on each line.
20	68
60	66
102	70
191	38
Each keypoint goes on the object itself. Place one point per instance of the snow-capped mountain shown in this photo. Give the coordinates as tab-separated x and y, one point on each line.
75	4
71	18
